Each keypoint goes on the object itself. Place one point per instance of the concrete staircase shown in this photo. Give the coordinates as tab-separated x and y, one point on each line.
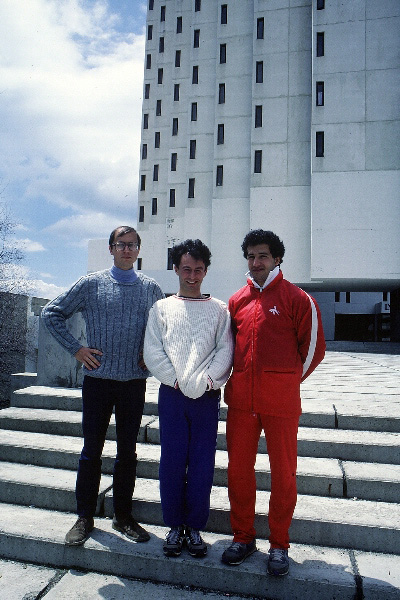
346	528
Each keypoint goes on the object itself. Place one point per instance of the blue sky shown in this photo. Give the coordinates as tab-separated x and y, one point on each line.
71	74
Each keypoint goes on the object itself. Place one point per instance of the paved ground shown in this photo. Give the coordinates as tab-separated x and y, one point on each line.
371	381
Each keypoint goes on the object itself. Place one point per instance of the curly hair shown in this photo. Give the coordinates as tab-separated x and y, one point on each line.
259	236
195	248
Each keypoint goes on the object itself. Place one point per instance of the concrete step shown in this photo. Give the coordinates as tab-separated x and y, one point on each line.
323	410
317	476
316	573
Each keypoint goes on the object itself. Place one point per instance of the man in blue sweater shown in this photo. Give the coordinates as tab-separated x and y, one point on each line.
114	304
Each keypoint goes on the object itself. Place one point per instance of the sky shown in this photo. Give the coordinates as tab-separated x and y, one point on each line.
71	78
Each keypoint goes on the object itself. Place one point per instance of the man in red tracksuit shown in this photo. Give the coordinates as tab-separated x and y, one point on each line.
279	342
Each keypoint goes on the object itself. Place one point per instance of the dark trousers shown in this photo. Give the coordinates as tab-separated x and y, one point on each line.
99	397
188	432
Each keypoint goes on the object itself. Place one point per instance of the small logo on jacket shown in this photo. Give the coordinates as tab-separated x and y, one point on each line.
274	311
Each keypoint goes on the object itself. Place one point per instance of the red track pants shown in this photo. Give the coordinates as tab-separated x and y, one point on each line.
243	434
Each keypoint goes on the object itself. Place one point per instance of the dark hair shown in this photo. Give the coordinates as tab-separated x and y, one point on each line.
195	248
259	236
123	230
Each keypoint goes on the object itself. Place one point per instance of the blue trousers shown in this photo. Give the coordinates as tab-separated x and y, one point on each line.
188	431
99	397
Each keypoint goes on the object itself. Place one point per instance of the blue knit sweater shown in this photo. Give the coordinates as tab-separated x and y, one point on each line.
115	314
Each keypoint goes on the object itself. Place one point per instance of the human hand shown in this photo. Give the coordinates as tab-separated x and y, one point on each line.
85	356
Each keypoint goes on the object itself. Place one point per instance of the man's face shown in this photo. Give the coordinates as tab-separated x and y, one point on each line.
191	273
124	258
261	262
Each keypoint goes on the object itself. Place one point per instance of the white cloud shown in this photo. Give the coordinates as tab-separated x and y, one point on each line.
70	101
41	289
28	245
78	229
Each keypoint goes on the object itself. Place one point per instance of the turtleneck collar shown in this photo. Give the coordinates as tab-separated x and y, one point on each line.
123	276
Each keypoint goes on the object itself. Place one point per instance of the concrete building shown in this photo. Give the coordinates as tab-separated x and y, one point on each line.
284	115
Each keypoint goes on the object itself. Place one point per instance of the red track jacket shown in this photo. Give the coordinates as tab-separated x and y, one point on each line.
279	342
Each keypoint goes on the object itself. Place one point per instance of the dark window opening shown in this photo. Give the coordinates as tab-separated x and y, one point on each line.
320	4
319	143
144	151
195	74
151	4
196	38
145	121
147	91
161	45
220	175
192	149
348	297
224	14
258	116
178	58
221	93
385	296
337	296
154	206
221	134
222	53
139	264
193	114
178	24
260	28
160	75
155	172
150	32
142	183
158	108
320	43
148	61
170	264
197	5
176	92
157	136
319	95
162	13
191	188
172	197
259	71
175	126
257	161
174	160
141	214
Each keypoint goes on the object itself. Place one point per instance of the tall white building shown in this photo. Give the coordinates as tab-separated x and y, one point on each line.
281	115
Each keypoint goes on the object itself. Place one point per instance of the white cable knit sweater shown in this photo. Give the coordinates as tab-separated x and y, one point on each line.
189	342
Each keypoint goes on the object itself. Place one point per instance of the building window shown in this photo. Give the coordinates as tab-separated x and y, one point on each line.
148	61
161	45
193	115
178	58
150	32
259	71
170	264
348	297
142	183
320	4
178	24
319	93
155	172
158	108
154	206
175	125
172	197
191	188
160	76
139	264
224	14
222	54
221	93
257	161
385	296
162	13
196	38
220	175
144	151
151	4
337	296
320	43
260	28
197	5
145	121
157	139
258	116
221	133
141	214
195	74
147	91
319	143
192	149
176	92
174	159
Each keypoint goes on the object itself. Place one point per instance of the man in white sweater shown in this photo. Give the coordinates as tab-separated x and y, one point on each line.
188	346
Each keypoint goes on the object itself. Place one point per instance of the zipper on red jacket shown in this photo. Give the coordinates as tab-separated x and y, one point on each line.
257	303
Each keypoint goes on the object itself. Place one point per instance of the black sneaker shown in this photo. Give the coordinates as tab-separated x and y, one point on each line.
278	561
194	542
173	541
79	533
238	551
131	529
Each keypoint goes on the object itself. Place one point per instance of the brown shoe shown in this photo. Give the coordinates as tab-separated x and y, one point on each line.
79	533
131	529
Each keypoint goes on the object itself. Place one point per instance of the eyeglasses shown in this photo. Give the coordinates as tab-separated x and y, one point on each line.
120	246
